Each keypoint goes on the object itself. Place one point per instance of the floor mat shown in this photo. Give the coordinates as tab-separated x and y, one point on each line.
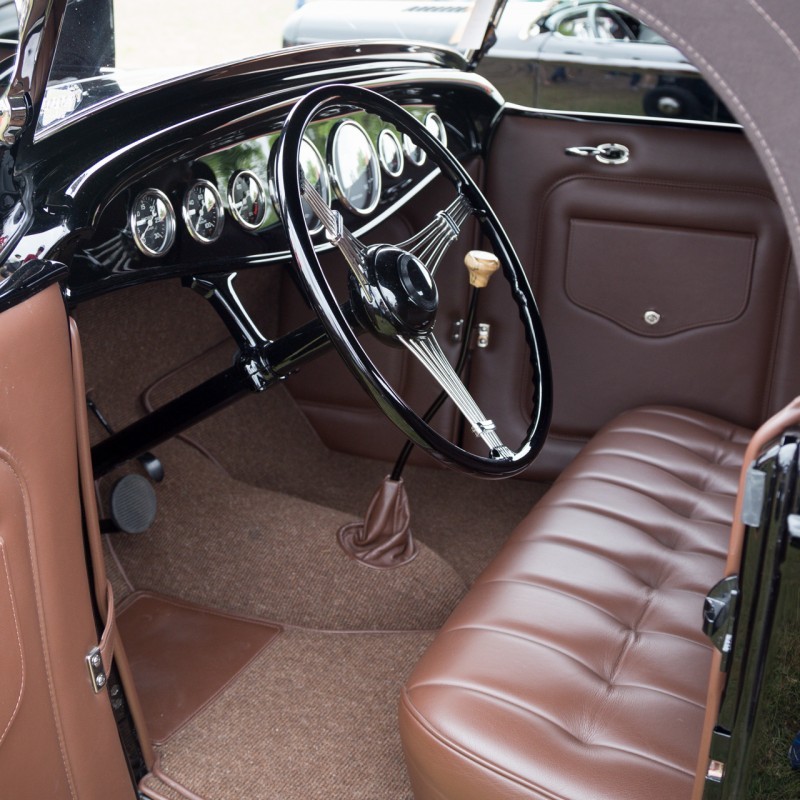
313	716
182	656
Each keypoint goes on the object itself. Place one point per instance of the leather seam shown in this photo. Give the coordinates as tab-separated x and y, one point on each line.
19	641
617	517
698	58
560	591
776	27
7	458
609	681
451	745
519	779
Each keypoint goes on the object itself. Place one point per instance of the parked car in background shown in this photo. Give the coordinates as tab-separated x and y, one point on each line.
578	55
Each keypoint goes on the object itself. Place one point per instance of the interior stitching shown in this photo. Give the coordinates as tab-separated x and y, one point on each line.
19	641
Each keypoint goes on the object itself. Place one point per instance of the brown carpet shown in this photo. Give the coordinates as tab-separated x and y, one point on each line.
265	440
312	717
225	544
247	522
182	656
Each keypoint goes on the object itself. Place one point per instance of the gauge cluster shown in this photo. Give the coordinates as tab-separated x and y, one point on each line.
355	161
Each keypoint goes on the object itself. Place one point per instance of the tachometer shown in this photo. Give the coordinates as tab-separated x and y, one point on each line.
354	167
203	212
152	221
247	199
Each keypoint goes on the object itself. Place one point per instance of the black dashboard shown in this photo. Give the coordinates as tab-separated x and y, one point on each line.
186	190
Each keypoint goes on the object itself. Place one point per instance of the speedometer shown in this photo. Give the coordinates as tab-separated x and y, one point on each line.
354	166
152	221
203	212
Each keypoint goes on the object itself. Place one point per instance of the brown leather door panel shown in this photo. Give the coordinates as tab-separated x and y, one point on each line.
662	280
58	739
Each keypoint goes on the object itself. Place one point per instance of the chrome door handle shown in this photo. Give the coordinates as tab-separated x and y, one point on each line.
607	153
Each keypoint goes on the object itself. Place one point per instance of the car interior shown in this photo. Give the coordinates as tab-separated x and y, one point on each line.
276	587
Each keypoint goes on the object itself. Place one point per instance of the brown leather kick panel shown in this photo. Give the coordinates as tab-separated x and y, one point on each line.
12	658
182	656
58	739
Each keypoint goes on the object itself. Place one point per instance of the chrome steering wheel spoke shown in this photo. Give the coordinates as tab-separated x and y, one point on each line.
335	232
431	243
428	352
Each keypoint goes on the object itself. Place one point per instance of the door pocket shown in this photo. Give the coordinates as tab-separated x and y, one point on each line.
655	280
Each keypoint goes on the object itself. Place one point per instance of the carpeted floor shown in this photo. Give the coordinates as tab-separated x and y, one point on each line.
307	719
232	546
247	519
266	441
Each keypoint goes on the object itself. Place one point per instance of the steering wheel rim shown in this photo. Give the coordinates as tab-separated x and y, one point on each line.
287	189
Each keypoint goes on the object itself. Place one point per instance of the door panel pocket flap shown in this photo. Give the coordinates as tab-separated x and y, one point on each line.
658	281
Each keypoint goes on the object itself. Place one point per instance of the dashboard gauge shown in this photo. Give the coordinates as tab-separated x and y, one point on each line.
414	153
390	153
203	213
354	167
315	173
247	199
435	125
152	220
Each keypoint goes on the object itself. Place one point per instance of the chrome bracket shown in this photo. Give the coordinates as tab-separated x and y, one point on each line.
755	487
606	153
719	616
14	112
94	661
484	329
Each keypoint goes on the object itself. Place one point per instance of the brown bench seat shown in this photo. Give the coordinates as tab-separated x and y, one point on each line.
576	667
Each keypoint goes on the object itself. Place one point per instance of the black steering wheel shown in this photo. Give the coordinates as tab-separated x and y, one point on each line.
393	294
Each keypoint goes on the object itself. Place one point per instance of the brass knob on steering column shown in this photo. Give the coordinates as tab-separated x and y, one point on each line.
481	266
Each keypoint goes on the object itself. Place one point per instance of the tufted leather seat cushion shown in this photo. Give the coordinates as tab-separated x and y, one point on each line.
576	667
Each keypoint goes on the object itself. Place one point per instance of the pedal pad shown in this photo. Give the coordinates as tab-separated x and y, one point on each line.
133	504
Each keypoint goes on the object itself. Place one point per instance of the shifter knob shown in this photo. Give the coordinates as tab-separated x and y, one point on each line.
481	266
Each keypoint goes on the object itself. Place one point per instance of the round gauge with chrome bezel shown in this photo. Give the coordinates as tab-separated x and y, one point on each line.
203	212
414	153
390	153
247	199
435	125
152	221
315	173
355	171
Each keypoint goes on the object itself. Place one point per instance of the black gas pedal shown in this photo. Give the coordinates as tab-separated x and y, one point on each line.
133	504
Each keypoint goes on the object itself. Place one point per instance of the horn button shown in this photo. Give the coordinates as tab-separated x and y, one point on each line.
404	297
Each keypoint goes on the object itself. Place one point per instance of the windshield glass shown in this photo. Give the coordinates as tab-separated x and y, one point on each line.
107	48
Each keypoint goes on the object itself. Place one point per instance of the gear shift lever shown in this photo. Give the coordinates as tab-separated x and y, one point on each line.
384	538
